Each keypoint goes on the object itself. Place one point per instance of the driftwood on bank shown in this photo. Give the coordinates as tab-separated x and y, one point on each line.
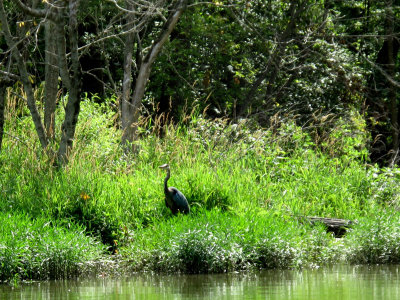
337	226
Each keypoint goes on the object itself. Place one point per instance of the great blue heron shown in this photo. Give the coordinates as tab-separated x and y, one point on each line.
174	199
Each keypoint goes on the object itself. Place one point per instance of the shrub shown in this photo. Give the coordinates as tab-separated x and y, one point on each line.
375	240
213	241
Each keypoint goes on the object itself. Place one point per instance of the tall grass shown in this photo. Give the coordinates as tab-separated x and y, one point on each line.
211	241
42	249
376	240
245	185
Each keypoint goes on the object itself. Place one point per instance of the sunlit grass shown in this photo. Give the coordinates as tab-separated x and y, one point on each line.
246	185
213	241
42	249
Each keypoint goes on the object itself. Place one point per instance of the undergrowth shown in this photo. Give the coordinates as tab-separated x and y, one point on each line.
245	185
213	241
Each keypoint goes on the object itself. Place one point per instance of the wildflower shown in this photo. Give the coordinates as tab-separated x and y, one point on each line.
84	196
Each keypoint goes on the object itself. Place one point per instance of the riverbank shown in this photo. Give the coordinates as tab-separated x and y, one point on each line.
245	185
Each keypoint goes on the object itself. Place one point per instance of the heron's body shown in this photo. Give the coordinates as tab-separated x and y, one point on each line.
174	199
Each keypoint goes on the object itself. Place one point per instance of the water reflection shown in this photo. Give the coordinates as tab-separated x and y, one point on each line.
338	282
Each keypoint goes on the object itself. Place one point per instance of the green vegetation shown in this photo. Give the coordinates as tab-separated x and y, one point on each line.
245	185
40	249
266	111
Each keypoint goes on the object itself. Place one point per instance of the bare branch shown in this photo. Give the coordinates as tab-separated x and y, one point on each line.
40	13
24	78
131	108
382	71
8	75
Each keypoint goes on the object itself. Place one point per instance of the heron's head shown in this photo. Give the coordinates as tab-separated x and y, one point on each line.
164	166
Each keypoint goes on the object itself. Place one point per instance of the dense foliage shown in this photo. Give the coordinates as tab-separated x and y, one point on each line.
248	188
267	111
231	58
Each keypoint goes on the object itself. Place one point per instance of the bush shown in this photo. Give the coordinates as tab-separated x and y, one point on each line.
375	240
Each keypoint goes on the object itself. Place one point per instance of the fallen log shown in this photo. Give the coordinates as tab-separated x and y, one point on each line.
337	226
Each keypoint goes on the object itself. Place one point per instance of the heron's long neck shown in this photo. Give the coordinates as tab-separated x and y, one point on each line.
166	181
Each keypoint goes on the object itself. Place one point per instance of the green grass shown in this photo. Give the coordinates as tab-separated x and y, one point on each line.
245	186
41	249
376	240
212	241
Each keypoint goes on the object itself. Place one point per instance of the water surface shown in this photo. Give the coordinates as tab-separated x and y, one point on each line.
338	282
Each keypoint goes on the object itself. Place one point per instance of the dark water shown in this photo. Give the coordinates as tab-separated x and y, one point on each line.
338	282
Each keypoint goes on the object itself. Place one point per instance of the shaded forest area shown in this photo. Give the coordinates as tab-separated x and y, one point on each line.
270	61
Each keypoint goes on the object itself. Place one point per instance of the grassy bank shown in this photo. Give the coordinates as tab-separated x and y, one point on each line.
245	186
40	249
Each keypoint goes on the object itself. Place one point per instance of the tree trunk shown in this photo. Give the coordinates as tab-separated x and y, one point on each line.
392	93
125	103
51	80
7	80
2	106
25	79
63	17
72	82
132	113
381	103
